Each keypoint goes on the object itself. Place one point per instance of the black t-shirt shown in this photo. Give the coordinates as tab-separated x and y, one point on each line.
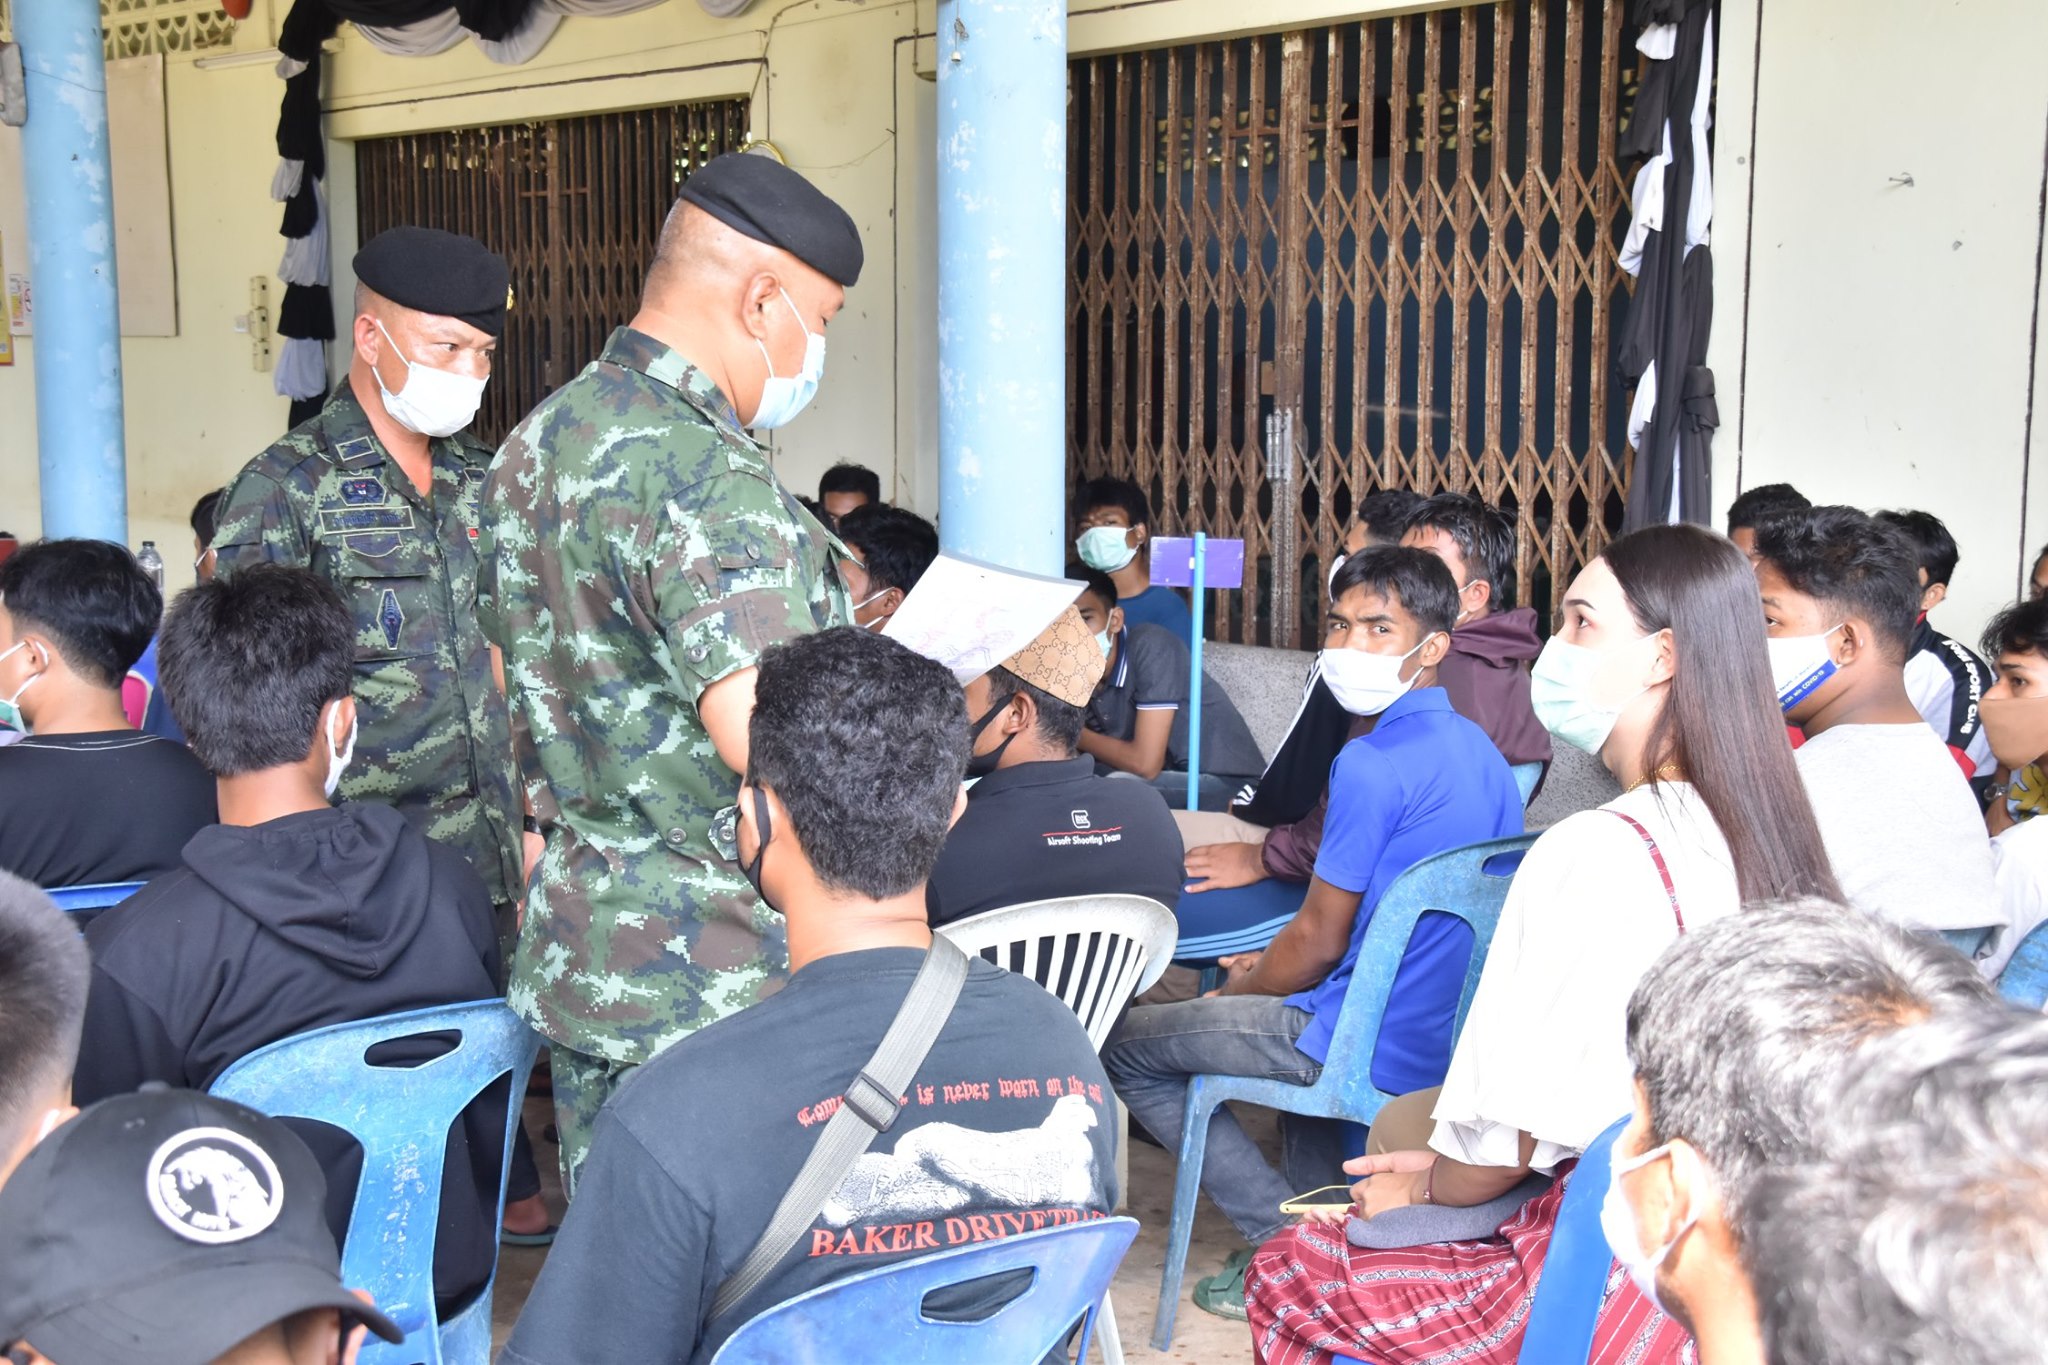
1042	830
113	806
1006	1130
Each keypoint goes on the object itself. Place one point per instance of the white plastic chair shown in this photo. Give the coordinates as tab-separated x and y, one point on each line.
1093	952
1097	954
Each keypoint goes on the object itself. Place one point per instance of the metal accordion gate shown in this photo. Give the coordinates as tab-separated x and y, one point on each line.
573	204
1305	266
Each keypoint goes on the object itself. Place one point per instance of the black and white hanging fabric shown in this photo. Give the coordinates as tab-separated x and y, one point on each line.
1663	343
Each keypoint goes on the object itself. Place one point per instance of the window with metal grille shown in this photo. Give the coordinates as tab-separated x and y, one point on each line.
574	205
1305	266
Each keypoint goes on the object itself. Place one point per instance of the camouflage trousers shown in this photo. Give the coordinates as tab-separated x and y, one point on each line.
582	1084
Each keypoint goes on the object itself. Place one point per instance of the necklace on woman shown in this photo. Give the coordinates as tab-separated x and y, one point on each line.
1663	772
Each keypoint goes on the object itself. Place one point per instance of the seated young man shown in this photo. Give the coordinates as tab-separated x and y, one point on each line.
844	487
1298	778
43	969
1754	506
1138	719
893	548
1040	823
1841	594
174	1228
1424	781
85	797
1945	679
1485	674
1115	537
853	777
291	914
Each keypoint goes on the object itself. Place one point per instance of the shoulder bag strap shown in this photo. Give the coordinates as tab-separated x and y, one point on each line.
870	1107
1657	857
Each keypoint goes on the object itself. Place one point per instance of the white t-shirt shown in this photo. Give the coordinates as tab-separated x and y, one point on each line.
1544	1049
1903	831
2019	860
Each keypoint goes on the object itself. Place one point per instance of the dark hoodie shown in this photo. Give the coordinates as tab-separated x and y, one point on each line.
1486	675
319	918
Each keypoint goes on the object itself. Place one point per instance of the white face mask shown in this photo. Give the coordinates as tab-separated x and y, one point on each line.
1367	684
10	707
433	402
1560	692
783	398
1335	565
1801	665
1618	1221
338	754
1105	548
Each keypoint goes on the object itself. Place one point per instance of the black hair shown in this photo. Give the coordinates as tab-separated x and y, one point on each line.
1417	579
206	516
1059	722
1484	537
896	545
1753	506
90	598
851	478
2021	628
1099	583
248	662
1386	513
1934	549
1122	494
864	742
1852	562
1721	725
43	974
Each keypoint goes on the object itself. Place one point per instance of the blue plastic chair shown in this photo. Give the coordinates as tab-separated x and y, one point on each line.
878	1315
401	1116
97	896
1968	942
1471	883
2025	978
1574	1279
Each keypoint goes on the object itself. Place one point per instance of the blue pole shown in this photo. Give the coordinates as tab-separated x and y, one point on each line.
77	345
1002	180
1195	677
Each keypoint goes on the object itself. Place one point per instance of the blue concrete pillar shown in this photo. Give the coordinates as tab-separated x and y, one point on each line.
77	343
1002	184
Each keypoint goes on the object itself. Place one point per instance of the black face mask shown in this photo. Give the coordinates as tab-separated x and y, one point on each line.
751	870
981	765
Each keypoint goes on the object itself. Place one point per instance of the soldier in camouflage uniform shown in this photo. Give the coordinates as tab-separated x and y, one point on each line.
640	557
379	493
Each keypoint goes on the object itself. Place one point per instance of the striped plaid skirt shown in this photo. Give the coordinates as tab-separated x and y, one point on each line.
1314	1299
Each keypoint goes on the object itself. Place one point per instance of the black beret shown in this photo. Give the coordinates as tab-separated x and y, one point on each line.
444	273
759	197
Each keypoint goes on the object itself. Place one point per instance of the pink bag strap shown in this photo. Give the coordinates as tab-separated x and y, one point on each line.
1657	857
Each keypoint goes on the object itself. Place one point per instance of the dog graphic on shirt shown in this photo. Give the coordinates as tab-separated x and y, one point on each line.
941	1167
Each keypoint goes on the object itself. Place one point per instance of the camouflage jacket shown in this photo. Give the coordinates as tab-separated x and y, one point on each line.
433	738
639	549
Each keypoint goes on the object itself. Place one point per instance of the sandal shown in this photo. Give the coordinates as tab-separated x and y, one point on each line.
1223	1292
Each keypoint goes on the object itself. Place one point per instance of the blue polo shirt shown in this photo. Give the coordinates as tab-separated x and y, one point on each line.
1424	781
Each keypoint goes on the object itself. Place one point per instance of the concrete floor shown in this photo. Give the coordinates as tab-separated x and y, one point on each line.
1199	1338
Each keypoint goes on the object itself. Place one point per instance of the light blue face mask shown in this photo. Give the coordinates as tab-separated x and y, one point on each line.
1104	548
1559	685
782	398
10	707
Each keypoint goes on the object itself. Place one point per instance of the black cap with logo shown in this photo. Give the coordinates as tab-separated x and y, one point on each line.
163	1228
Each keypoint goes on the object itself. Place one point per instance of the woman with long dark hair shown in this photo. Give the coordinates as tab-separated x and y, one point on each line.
1658	667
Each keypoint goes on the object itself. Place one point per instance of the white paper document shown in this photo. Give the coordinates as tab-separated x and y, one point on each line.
971	616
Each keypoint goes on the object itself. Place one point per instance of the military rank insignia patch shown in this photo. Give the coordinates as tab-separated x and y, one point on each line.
391	618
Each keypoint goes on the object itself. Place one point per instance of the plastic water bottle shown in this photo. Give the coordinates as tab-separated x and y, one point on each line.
152	563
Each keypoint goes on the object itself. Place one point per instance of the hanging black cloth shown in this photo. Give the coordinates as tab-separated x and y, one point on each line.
1668	318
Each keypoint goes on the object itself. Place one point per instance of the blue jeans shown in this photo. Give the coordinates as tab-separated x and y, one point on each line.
1158	1047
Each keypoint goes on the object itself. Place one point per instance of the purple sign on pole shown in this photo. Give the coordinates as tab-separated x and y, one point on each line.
1173	562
